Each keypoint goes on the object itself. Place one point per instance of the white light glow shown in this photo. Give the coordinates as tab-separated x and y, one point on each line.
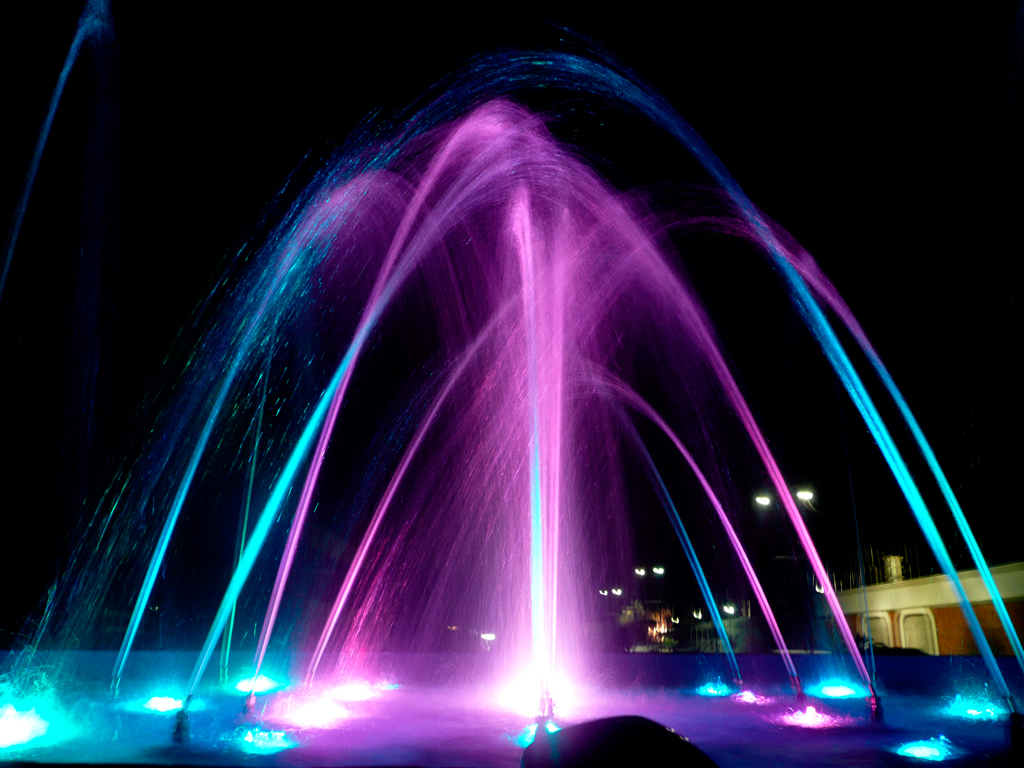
764	501
488	636
698	614
322	713
524	693
19	727
640	571
259	684
658	571
162	704
804	495
354	691
729	608
603	591
616	591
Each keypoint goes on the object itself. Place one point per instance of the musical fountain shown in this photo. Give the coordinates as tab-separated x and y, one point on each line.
400	465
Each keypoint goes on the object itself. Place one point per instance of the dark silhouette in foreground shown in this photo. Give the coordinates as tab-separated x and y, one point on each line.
614	741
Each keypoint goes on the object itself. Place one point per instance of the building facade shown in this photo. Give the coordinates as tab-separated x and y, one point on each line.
925	613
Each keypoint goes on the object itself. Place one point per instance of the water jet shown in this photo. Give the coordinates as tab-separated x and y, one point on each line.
558	353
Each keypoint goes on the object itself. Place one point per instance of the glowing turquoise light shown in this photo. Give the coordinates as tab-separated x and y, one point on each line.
162	704
975	708
20	727
837	689
529	733
934	750
717	688
257	741
258	684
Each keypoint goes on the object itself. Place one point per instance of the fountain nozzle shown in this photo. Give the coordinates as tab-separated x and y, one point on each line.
547	708
800	695
875	702
181	729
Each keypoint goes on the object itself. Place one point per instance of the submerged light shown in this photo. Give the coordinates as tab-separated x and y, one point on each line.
749	697
162	704
934	750
523	694
717	688
529	733
812	718
355	691
974	708
20	727
837	689
258	741
258	684
320	713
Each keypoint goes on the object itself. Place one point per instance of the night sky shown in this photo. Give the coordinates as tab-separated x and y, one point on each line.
889	144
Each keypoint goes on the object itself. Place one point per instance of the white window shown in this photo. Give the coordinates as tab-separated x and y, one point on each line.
917	628
880	625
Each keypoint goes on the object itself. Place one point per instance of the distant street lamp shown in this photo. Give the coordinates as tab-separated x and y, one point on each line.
640	571
804	495
764	501
658	570
729	608
616	592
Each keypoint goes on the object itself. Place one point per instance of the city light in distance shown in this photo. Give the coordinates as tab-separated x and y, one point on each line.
764	501
658	570
729	608
804	495
616	591
640	571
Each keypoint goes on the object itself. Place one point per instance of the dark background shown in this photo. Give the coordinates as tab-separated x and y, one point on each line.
887	142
